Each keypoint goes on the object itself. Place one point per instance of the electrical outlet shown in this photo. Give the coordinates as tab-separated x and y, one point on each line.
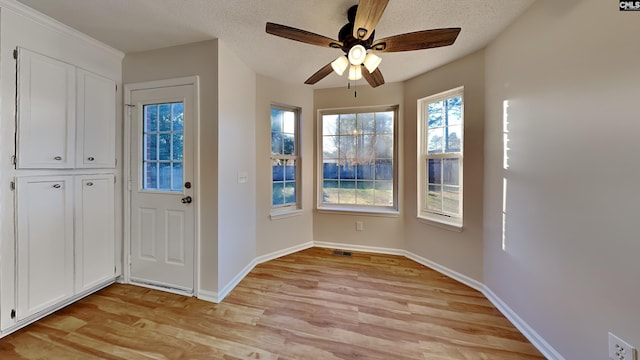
359	226
620	350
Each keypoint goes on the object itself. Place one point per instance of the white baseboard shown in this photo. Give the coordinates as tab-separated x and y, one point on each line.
210	296
541	344
472	283
258	260
363	248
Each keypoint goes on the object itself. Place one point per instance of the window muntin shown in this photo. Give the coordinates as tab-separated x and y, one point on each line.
440	139
162	147
358	159
285	159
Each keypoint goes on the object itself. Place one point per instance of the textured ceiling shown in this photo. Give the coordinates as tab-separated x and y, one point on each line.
138	25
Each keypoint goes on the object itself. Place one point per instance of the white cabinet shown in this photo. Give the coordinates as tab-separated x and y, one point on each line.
46	112
96	126
57	260
66	115
95	230
45	242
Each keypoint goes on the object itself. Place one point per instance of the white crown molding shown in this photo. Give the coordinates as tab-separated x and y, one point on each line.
55	25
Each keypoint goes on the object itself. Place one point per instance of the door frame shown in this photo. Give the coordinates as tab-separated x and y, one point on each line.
128	122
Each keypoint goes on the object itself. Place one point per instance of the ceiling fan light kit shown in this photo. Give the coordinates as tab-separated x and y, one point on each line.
356	40
340	64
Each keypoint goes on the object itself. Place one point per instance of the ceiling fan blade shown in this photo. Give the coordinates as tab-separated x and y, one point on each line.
367	17
418	40
302	36
374	79
320	74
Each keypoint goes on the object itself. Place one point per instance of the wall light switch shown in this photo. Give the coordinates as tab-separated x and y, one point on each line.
243	177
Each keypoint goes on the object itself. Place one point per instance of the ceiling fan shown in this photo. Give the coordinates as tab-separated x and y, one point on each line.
356	40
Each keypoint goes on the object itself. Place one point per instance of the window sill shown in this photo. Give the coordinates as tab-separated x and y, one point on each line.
441	223
277	215
358	211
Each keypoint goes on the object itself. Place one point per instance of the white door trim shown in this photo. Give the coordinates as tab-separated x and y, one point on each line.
128	89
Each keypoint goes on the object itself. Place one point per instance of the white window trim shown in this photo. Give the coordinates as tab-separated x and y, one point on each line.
288	210
442	220
384	211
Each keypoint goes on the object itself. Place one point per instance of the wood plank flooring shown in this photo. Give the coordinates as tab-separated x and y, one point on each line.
308	305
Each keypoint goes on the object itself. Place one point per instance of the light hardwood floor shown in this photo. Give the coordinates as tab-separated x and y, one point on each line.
308	305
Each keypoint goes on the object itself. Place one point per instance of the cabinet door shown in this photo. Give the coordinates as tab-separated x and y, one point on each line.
96	121
46	112
45	242
95	230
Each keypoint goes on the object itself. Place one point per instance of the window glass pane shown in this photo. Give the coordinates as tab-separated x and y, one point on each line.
276	120
454	111
434	171
330	146
347	124
177	181
290	170
150	147
277	194
451	199
365	193
384	169
330	170
434	198
164	147
276	143
384	122
164	176
454	138
150	175
330	125
384	146
366	148
150	118
290	193
435	140
450	172
164	117
289	142
330	192
277	169
289	122
348	147
348	192
365	172
384	193
366	123
435	114
347	172
178	146
177	110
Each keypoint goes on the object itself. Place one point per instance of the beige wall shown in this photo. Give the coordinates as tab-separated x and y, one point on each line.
458	251
570	72
236	154
379	231
193	59
276	235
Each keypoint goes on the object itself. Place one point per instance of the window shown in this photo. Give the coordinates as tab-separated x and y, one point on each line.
285	158
359	171
163	144
440	153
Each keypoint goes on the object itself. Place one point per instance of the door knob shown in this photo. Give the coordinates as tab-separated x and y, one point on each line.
187	200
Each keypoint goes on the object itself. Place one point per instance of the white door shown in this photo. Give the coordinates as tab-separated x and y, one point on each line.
162	196
45	242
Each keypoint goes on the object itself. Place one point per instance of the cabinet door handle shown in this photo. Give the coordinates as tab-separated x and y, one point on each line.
58	158
90	158
89	183
56	186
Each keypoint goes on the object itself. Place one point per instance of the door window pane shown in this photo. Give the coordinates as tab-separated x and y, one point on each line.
163	147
